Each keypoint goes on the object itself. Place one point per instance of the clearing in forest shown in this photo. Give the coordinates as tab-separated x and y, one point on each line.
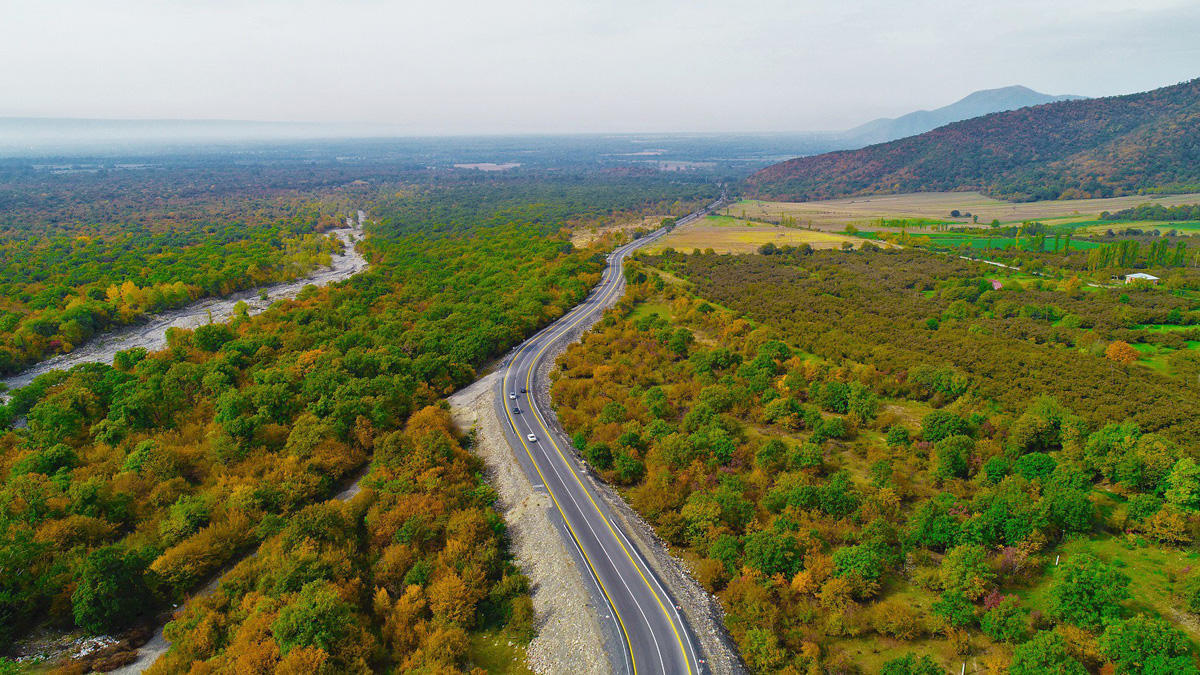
725	234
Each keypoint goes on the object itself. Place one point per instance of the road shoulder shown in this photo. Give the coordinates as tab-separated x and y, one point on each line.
569	637
701	609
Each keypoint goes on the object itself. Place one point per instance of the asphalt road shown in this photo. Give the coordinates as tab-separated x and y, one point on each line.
648	631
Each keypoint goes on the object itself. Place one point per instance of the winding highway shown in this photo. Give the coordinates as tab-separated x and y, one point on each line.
648	632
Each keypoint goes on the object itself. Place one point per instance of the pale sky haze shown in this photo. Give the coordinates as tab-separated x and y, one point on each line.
556	66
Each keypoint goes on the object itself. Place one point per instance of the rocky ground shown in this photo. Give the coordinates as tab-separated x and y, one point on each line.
568	634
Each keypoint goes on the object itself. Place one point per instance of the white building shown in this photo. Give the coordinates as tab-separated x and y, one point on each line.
1141	276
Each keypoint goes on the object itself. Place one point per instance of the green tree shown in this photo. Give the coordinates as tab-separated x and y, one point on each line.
897	436
867	560
955	609
1087	592
210	337
762	650
111	591
941	424
1141	644
965	570
1183	483
772	553
1046	654
600	456
1006	622
911	664
317	617
953	455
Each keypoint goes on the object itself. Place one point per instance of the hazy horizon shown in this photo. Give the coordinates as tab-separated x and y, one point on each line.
543	67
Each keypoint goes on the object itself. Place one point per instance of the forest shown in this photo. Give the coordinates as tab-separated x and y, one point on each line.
879	463
56	292
1155	212
130	485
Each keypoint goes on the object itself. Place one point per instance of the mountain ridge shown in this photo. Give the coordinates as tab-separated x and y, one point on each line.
975	104
1098	147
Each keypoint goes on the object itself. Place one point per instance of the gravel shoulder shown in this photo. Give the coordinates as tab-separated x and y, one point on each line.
569	638
702	609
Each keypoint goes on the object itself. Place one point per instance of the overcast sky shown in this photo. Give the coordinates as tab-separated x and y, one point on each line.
459	66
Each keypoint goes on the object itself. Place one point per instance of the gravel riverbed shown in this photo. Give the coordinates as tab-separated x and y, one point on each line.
152	334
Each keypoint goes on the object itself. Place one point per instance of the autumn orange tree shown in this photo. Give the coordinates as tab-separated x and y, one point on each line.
1121	352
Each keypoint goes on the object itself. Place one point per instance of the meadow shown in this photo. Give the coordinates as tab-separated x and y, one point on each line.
726	234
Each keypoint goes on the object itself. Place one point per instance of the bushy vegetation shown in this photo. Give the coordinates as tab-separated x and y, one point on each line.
57	292
134	483
1155	212
848	484
398	577
940	323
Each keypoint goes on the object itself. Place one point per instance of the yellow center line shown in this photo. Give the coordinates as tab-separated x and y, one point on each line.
608	524
657	597
587	559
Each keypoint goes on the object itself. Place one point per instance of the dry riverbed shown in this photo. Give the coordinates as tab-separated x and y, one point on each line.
152	334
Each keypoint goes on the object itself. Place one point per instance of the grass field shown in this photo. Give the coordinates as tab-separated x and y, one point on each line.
986	242
1151	570
724	234
496	652
835	214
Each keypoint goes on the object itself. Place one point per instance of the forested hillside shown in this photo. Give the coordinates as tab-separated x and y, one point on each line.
881	463
134	483
1073	149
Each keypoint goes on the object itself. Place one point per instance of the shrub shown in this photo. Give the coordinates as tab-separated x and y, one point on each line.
1047	652
1006	622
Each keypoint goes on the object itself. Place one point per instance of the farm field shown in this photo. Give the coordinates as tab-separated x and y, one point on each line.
990	242
835	214
1186	227
726	234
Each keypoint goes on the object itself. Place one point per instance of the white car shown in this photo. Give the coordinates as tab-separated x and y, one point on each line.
513	396
532	438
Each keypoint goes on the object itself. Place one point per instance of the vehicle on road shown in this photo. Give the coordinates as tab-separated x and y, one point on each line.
516	411
513	396
532	438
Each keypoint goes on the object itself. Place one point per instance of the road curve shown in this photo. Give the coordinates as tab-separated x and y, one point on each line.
649	632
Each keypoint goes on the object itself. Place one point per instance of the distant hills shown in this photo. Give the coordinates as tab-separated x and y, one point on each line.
979	103
1069	149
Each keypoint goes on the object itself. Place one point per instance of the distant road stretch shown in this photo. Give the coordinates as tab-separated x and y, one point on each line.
648	628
